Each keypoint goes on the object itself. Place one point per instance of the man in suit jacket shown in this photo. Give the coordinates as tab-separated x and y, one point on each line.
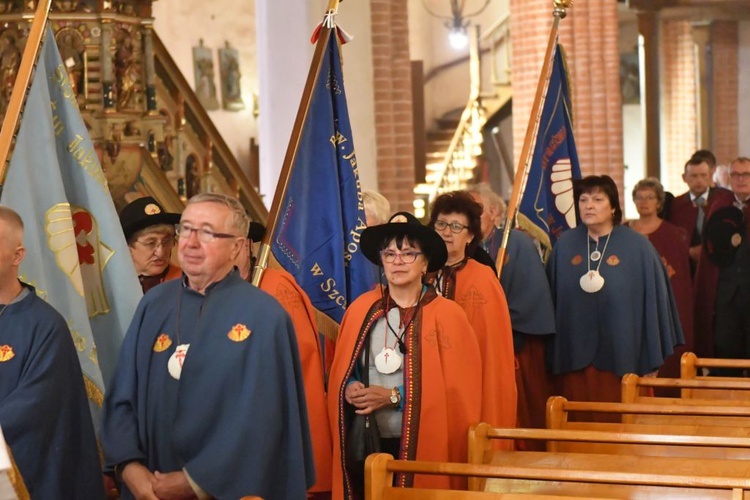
732	315
690	211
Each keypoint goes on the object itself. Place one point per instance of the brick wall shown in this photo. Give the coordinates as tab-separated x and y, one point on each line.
679	102
393	102
589	35
725	99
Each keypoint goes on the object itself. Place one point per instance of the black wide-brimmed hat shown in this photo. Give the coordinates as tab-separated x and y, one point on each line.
723	234
142	213
404	223
256	232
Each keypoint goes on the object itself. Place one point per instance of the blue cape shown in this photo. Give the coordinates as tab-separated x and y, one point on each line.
631	325
44	412
236	420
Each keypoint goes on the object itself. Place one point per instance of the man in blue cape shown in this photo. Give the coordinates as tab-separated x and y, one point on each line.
207	399
44	413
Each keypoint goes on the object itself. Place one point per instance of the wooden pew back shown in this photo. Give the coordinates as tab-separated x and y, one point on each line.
718	390
545	475
691	365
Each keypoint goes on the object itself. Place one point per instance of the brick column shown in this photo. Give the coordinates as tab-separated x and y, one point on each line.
393	102
679	103
589	36
725	98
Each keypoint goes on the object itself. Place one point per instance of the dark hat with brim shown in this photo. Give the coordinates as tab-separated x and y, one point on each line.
404	223
142	213
723	234
256	231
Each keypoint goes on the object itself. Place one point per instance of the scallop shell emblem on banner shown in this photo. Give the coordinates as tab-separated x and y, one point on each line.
562	188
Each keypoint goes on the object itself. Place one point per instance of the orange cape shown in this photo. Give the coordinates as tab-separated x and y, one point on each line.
281	285
442	385
477	290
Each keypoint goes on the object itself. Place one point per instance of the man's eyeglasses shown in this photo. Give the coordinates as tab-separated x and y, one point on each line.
152	244
455	226
389	256
203	235
740	175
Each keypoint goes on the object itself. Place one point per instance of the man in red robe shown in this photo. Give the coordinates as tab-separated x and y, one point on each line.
691	211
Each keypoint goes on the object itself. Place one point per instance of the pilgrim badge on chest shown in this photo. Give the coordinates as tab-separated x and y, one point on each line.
387	361
6	353
176	360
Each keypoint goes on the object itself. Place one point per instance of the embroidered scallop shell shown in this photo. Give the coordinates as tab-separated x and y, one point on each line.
562	188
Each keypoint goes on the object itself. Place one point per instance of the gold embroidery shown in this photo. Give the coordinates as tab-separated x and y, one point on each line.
613	260
238	333
6	353
162	343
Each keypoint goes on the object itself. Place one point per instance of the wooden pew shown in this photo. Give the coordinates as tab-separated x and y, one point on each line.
721	390
613	439
518	475
691	420
690	364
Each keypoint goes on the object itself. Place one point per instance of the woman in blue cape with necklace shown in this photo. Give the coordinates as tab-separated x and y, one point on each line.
614	308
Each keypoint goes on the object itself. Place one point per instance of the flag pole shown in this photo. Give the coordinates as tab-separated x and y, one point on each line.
560	11
22	85
293	147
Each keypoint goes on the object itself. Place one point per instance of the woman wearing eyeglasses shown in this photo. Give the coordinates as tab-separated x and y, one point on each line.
407	360
150	233
456	217
672	243
614	308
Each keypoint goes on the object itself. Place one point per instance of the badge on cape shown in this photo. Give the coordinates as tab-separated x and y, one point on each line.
576	260
6	353
162	343
613	260
736	240
387	361
238	333
591	282
176	360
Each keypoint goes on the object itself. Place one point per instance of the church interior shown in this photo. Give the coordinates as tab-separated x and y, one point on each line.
183	96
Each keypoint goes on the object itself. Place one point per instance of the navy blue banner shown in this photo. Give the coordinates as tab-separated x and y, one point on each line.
322	215
548	201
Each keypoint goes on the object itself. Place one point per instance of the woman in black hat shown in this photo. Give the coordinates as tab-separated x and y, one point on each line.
149	231
407	360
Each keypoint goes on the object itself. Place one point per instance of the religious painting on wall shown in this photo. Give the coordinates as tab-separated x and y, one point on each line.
231	94
205	82
70	42
630	77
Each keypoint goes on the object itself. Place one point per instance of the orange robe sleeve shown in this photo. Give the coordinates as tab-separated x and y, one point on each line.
173	273
281	285
443	387
480	295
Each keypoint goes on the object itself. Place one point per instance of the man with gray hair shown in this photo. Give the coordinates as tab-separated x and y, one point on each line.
207	399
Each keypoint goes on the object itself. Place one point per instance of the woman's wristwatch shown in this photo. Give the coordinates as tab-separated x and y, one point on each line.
395	396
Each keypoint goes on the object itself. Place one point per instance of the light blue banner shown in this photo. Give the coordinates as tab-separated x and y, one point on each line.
76	254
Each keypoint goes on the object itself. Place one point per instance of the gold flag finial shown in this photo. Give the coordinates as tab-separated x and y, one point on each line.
561	7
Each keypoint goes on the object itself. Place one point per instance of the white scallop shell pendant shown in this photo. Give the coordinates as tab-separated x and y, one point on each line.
592	282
